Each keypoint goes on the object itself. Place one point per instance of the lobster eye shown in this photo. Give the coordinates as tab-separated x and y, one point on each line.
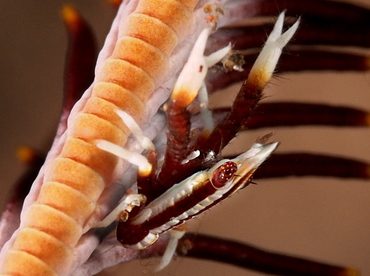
223	174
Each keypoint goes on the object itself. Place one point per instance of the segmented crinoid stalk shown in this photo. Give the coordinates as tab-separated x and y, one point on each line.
77	176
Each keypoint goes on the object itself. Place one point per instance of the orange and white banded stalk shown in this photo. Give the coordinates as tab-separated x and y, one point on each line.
64	201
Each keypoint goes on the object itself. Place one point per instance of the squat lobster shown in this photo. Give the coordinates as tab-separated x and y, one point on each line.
204	189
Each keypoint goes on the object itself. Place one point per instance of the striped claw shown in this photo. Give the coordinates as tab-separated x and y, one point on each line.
191	197
250	161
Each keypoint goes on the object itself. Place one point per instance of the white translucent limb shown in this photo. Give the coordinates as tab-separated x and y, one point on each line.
144	141
192	76
127	203
175	235
266	62
205	113
215	57
133	157
278	29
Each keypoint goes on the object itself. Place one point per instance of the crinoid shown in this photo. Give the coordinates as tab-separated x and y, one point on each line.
321	218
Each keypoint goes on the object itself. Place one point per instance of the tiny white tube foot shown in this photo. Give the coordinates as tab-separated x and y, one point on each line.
175	235
205	113
133	157
144	141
